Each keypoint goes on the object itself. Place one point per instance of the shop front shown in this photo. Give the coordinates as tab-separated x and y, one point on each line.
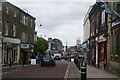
11	51
26	53
102	52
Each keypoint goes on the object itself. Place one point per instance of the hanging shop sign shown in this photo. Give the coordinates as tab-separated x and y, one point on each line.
115	23
101	38
11	40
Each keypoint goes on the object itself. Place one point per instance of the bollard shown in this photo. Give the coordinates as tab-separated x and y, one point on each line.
10	63
83	72
22	62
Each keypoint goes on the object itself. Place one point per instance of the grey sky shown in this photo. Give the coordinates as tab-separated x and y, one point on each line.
60	19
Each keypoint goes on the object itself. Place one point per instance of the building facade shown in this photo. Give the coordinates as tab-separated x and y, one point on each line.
104	38
55	45
86	34
113	39
98	39
18	34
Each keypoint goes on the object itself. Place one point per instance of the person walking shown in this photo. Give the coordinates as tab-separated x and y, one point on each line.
37	59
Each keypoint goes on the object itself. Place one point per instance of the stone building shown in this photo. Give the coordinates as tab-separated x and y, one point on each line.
55	45
17	33
113	44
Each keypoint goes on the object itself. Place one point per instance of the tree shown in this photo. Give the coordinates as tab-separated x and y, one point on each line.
41	45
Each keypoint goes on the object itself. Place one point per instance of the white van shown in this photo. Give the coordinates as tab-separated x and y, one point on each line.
57	56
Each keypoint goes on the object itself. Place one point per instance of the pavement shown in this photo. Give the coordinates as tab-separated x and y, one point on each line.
93	73
72	71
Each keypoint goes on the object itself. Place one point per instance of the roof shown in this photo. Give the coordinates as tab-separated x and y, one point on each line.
21	10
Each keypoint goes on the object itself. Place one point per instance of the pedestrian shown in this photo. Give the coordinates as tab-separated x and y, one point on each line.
37	59
40	57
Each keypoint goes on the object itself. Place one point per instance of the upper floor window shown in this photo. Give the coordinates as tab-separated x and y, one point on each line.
103	17
6	29
15	13
26	20
14	30
118	9
31	23
23	37
7	10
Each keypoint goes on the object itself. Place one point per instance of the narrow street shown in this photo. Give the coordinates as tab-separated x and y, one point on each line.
36	71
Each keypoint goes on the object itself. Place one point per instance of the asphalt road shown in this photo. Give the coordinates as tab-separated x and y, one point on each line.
36	71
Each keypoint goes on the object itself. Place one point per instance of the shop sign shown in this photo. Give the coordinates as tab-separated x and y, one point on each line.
11	40
116	22
33	61
25	46
101	38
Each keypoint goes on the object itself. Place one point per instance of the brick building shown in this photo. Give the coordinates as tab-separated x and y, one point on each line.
98	41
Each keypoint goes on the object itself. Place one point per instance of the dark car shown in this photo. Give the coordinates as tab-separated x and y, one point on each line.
47	60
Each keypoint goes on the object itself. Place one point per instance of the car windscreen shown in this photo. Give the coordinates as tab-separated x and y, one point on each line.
46	57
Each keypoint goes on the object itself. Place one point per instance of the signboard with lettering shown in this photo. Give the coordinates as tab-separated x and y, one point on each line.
11	40
25	46
102	39
115	23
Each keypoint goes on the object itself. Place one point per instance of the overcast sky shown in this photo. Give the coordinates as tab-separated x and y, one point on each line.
62	19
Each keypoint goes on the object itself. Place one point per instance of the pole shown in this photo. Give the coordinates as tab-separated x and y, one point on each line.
83	71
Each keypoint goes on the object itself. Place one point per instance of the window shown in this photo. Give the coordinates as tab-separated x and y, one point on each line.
14	30
26	21
103	17
31	23
26	38
7	10
6	29
15	13
23	37
118	9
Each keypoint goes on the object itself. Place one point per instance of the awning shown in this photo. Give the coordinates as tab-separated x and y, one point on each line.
27	50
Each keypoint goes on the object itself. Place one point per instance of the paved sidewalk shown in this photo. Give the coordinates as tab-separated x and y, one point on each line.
72	71
93	72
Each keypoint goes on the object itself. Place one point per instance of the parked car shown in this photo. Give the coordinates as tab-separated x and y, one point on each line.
47	60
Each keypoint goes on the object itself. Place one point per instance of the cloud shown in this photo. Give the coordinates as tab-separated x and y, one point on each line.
60	19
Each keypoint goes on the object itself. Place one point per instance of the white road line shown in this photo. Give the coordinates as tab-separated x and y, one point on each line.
66	74
9	72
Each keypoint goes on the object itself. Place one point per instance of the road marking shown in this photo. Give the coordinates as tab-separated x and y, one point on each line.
9	72
66	74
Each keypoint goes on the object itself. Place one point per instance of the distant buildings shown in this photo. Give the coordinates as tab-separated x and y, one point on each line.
18	29
55	45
